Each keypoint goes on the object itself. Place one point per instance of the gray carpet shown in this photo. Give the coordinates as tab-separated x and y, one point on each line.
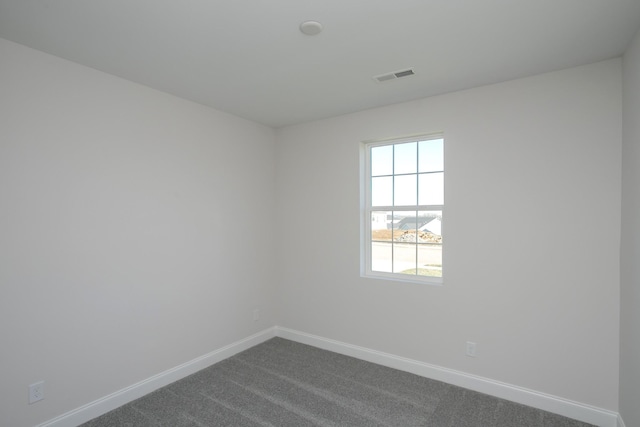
282	383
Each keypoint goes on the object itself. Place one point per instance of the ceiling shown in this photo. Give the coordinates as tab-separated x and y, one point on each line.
249	58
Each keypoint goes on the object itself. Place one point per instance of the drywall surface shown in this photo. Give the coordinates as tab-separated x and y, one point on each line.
135	232
531	233
630	247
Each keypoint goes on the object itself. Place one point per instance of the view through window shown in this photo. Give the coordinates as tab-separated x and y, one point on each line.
404	207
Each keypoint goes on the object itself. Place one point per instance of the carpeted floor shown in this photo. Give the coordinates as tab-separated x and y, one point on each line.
282	383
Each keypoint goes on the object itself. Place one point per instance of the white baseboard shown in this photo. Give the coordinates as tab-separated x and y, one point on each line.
558	405
620	421
128	394
585	413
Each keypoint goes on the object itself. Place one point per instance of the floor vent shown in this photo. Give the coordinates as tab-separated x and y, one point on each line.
395	75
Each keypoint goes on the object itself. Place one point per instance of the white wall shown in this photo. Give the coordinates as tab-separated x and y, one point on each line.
135	232
630	247
532	234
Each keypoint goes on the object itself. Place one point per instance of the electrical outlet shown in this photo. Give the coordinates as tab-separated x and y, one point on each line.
471	349
36	392
256	315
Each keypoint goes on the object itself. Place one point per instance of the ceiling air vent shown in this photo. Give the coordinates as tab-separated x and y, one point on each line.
395	75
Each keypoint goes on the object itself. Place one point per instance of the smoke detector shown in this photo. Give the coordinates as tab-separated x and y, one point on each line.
311	28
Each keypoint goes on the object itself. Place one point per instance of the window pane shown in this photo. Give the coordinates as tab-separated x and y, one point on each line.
405	158
405	221
430	222
430	243
382	191
431	187
431	156
397	221
404	257
405	190
430	260
382	160
382	257
381	223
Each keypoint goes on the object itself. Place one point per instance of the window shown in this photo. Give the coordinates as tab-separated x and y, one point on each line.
404	202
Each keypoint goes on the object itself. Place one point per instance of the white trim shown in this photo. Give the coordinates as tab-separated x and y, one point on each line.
407	138
579	411
132	392
620	421
558	405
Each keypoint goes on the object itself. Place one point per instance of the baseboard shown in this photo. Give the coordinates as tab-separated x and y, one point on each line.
558	405
546	402
128	394
620	421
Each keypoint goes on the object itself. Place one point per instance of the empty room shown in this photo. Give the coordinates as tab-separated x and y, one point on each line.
320	213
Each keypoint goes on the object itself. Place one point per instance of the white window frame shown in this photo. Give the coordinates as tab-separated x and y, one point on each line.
367	209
